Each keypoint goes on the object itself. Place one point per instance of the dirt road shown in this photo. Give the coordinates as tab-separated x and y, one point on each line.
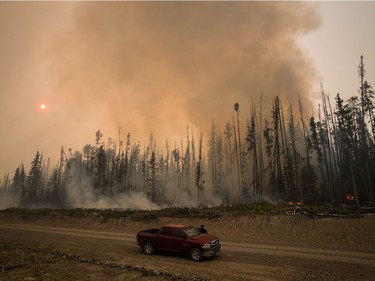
36	252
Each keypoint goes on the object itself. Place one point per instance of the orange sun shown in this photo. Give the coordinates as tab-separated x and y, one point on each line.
43	106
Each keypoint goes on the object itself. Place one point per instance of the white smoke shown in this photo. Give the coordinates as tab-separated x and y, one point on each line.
83	195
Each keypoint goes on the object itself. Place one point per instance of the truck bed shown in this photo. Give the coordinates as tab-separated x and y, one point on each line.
151	230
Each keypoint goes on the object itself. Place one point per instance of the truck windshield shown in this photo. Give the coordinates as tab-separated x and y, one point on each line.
192	231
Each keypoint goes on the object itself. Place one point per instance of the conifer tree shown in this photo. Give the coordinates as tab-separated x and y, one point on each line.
152	180
228	159
30	192
252	152
18	183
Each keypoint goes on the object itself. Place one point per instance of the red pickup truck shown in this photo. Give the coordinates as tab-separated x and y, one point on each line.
179	238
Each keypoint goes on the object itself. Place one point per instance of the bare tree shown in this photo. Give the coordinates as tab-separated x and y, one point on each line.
239	155
199	182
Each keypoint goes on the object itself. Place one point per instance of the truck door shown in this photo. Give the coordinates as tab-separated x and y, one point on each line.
178	240
172	239
164	238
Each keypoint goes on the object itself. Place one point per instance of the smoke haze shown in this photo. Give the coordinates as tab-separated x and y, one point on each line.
144	66
82	195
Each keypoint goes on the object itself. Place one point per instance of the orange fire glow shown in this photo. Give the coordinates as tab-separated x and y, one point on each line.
298	203
350	197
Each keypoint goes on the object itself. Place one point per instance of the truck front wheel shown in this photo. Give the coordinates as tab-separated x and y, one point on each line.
196	254
148	248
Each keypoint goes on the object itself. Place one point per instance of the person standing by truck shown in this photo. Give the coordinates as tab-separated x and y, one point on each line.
202	229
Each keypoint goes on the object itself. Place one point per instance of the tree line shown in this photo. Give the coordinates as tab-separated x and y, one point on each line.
284	156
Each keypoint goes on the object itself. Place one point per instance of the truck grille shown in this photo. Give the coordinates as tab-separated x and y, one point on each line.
215	244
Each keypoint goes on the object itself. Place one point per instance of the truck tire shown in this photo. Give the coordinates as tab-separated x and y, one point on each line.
196	254
148	248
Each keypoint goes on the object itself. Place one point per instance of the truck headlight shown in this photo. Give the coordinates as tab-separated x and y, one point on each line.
206	246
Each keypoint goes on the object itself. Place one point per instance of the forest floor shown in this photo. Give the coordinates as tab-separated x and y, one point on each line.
92	246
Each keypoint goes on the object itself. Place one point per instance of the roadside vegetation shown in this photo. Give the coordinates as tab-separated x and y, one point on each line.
255	209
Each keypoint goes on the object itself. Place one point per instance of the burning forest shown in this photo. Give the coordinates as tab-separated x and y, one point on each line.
277	156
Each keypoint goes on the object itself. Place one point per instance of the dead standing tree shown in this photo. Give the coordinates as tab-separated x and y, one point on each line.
215	162
297	195
278	150
367	106
328	150
308	177
242	187
199	173
187	162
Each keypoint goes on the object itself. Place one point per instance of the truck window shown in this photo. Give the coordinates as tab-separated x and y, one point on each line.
178	232
166	231
192	231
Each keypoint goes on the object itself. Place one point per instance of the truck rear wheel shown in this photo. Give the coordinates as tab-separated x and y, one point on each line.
196	254
148	248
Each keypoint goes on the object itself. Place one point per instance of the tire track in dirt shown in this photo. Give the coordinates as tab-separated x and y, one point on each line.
107	235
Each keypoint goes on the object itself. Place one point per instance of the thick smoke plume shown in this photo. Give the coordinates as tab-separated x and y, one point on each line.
152	67
156	66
